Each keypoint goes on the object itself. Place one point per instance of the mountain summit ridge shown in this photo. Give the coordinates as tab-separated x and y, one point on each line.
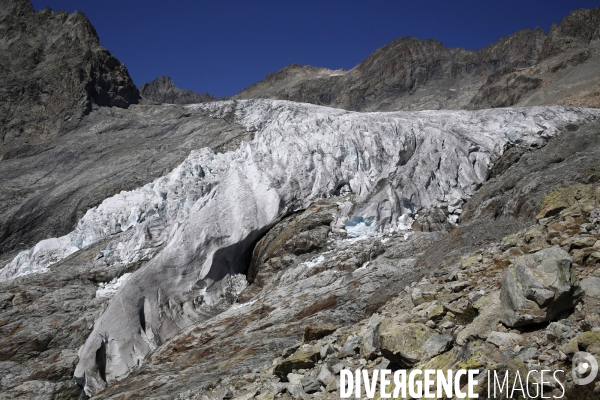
163	90
418	74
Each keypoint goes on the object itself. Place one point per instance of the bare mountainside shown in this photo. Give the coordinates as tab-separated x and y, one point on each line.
526	68
53	72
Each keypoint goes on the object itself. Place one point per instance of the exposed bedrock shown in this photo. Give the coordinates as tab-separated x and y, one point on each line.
54	71
208	213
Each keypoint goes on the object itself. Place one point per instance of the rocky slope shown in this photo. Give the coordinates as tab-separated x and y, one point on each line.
174	253
53	72
294	336
526	68
163	90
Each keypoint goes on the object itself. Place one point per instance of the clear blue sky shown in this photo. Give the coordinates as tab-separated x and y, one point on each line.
221	47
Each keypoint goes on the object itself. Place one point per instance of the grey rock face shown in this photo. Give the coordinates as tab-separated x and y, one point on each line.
163	90
538	288
295	235
53	71
576	30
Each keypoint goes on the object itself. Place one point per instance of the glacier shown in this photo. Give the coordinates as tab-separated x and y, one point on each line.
195	227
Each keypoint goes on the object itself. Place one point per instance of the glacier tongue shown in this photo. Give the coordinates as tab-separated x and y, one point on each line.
196	226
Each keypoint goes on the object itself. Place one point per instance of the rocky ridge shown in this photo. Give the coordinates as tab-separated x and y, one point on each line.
163	90
526	68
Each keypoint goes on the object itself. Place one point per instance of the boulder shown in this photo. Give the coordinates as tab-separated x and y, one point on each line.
538	288
587	341
296	391
505	339
302	358
351	347
591	287
437	344
370	342
407	344
295	379
317	331
326	376
310	384
489	310
428	311
326	350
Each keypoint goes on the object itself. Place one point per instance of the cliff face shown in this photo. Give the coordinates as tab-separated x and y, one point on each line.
163	90
53	71
415	74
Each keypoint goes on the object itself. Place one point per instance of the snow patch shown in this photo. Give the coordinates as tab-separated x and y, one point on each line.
109	289
314	262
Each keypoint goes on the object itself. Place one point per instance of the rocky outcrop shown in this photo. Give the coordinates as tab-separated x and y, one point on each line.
53	72
163	90
295	235
539	288
576	31
565	72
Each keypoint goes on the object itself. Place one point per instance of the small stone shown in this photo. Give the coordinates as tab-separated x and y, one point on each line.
310	384
474	296
296	391
459	286
447	324
502	339
562	356
294	379
326	350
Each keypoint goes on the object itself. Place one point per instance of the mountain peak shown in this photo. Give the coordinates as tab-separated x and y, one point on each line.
164	90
